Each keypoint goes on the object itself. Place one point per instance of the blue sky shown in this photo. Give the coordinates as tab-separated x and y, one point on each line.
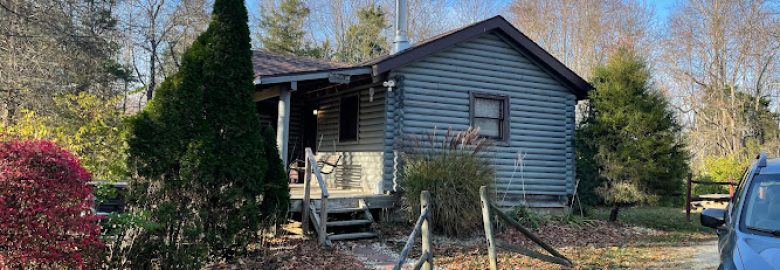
662	9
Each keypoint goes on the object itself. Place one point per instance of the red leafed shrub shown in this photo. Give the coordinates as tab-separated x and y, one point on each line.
45	215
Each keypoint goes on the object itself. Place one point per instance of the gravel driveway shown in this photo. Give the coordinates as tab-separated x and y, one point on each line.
706	256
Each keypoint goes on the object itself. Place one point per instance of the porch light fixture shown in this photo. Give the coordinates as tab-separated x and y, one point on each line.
315	112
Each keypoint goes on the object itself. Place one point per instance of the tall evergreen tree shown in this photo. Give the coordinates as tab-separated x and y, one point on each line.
284	33
198	148
276	196
363	40
634	140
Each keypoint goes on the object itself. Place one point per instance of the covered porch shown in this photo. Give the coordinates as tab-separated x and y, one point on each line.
334	109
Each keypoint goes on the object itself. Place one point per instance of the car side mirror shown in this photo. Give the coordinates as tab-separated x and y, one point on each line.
713	217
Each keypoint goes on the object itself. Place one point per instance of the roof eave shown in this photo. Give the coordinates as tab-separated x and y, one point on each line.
310	75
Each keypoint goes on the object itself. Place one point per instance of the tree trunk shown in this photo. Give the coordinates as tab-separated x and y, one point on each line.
613	215
124	99
152	72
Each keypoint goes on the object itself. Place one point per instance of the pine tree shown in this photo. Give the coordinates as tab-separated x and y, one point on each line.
198	147
276	196
363	40
634	139
284	33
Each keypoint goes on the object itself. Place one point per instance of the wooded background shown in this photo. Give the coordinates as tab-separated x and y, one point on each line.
717	61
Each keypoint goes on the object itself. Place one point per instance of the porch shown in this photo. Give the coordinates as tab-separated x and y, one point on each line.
340	198
335	110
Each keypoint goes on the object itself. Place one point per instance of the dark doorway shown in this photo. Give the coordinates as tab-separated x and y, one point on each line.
310	125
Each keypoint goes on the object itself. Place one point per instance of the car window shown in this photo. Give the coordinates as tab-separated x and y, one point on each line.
733	205
762	204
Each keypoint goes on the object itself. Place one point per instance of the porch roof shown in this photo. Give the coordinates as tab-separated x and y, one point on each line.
270	68
270	64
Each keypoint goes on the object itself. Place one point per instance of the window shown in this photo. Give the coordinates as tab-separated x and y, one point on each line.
735	200
760	205
348	118
489	114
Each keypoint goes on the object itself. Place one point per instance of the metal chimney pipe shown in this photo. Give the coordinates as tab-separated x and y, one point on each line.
400	42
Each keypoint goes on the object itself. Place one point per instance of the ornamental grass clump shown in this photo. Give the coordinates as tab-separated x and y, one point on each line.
451	166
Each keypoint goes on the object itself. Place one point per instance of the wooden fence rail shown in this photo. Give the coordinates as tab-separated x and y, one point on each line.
313	168
689	193
489	208
423	225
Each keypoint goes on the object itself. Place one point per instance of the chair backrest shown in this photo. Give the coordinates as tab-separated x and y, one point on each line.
328	162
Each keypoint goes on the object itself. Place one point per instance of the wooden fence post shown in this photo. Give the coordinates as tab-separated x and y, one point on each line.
688	199
483	196
731	187
306	195
426	230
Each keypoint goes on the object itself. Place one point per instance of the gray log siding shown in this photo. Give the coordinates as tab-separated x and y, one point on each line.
393	134
436	93
361	163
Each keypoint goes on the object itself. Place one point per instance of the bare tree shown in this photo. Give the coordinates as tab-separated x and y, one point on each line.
581	33
717	54
156	32
51	47
471	11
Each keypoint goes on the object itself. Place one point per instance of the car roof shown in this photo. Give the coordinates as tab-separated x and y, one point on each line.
772	166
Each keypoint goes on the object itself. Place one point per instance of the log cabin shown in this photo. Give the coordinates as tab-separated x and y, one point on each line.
487	75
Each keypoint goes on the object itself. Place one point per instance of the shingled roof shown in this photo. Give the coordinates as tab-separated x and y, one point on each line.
274	65
270	64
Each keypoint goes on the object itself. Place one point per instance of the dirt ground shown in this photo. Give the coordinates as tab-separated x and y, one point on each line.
595	245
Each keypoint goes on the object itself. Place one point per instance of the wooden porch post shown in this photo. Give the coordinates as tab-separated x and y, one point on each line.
283	121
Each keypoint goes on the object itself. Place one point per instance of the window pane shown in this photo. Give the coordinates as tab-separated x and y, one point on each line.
487	108
488	127
762	202
348	119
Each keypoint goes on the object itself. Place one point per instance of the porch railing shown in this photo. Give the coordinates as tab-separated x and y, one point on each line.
313	168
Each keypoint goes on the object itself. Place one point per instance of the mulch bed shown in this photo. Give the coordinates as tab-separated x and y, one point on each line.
293	252
579	240
597	237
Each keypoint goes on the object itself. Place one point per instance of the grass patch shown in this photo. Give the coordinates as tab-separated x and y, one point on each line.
661	218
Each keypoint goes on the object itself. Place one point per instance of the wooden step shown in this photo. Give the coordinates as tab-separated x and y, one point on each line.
349	236
337	203
354	222
346	210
